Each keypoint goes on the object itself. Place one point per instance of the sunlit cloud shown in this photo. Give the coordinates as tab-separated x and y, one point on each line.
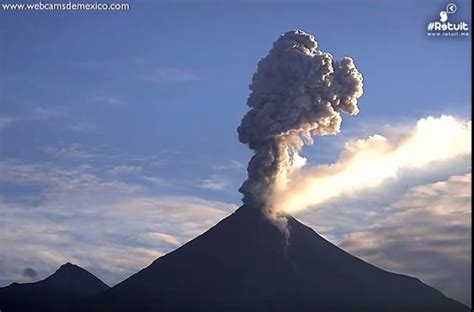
367	163
159	238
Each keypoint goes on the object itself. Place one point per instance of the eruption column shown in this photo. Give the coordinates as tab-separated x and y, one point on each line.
297	92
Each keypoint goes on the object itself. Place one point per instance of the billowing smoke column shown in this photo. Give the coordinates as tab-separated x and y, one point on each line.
297	92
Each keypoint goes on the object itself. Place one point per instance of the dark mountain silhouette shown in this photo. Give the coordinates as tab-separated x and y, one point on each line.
68	286
244	264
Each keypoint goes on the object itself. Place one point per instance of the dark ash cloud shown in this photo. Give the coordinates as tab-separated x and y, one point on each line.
30	273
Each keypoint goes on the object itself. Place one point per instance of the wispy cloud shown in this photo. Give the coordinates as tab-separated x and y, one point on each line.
108	100
125	170
215	183
156	180
82	127
115	237
6	122
70	151
59	181
48	112
170	75
426	233
230	165
37	113
107	226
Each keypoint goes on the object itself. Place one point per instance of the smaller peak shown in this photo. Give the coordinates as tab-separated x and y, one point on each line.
69	273
68	266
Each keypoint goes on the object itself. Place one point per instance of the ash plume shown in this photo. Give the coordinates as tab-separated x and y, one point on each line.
30	273
297	92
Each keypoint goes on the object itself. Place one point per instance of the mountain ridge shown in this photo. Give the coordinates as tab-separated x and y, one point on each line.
243	263
61	291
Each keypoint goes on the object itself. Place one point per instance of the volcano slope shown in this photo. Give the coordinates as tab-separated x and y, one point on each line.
244	263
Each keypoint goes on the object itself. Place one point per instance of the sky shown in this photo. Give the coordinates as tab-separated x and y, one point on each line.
118	137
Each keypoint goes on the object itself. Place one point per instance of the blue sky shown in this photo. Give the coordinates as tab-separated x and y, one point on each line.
144	104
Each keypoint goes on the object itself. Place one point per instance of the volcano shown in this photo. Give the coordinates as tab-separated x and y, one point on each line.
60	292
244	263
